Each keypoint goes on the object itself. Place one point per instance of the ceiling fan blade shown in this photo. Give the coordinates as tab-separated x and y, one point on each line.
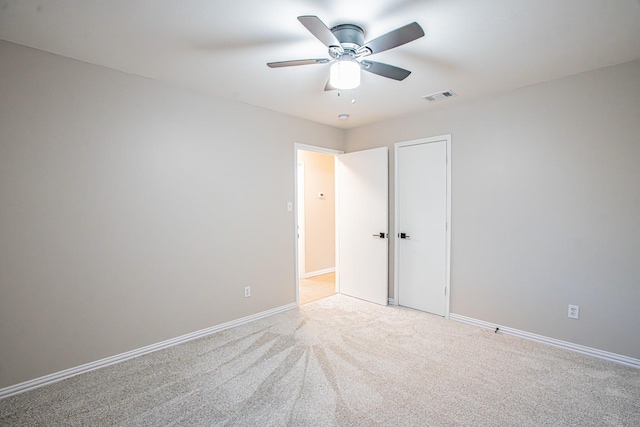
385	70
395	38
297	62
319	30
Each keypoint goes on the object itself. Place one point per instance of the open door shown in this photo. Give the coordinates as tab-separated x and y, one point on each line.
362	223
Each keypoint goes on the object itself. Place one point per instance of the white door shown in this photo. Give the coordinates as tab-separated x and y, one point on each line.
362	217
421	234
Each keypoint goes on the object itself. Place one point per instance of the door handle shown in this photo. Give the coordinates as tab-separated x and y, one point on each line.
404	236
380	235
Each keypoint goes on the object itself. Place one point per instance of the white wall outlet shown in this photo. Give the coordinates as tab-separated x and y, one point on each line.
574	311
247	291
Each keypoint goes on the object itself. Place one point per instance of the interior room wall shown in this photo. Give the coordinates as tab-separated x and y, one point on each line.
132	212
545	204
320	217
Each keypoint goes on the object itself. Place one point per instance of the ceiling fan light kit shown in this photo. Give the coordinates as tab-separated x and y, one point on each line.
344	74
347	50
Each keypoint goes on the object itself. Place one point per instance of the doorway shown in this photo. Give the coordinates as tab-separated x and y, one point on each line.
361	223
423	218
316	217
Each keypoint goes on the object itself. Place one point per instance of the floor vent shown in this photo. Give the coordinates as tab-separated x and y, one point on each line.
439	96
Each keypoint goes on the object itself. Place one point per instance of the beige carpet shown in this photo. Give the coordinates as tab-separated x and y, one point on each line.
341	361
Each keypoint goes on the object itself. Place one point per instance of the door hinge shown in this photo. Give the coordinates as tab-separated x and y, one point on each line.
445	291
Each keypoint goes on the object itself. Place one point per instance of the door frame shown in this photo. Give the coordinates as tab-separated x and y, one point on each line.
298	146
300	230
396	272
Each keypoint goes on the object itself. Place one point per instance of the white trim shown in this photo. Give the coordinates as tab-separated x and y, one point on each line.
319	272
392	301
336	219
396	273
612	357
68	373
301	232
305	147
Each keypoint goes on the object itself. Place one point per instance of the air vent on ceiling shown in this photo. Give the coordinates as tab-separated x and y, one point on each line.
439	96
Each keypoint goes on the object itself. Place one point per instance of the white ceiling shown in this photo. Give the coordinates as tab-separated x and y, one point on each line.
474	47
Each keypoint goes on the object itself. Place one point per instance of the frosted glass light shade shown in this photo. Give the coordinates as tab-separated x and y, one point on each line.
344	75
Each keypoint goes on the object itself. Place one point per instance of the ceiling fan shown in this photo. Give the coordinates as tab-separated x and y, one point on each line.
347	51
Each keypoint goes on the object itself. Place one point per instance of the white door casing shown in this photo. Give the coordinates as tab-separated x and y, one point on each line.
423	215
301	221
362	215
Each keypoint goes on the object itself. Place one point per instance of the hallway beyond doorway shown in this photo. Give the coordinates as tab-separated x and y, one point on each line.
317	287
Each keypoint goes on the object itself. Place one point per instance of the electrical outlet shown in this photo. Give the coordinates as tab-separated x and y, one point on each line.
247	291
574	311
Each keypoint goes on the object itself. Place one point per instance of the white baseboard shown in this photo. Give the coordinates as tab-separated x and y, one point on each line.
68	373
392	301
613	357
319	272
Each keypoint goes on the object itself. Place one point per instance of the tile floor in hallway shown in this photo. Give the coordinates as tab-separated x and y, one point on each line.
317	287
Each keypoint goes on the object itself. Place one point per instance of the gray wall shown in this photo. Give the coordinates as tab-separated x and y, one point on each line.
130	211
545	205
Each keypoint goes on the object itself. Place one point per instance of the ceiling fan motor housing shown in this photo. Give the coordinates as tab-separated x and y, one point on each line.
350	36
